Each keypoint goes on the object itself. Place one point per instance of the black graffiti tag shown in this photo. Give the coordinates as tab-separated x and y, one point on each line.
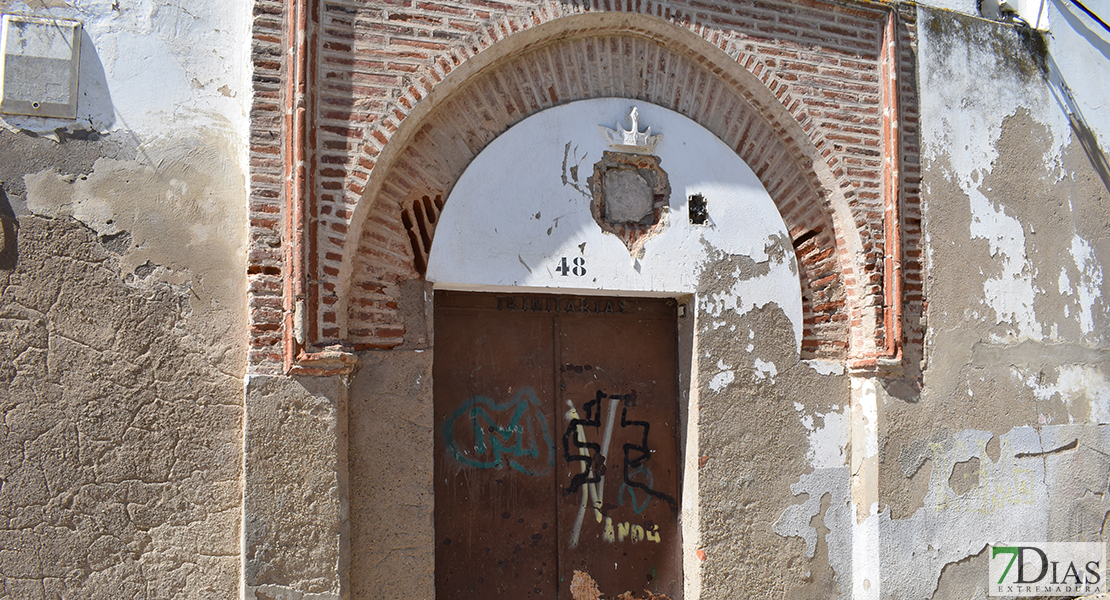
593	467
571	436
635	455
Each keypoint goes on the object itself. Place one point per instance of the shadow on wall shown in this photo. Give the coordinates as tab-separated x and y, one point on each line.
95	111
1087	137
94	106
8	227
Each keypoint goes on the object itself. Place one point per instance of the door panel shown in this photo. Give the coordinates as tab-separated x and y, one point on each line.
618	520
555	446
495	456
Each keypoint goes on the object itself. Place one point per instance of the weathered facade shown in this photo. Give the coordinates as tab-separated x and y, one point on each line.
877	232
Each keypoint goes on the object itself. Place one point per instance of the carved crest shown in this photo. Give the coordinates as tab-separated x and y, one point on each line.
631	140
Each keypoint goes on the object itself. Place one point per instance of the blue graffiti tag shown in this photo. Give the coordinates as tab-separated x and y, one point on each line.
637	507
493	441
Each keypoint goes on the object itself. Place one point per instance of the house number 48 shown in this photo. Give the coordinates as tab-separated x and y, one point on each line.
578	268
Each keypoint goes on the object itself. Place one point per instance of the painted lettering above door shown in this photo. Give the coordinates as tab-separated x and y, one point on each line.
556	304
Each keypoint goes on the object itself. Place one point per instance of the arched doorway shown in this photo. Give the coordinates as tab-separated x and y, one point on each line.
718	255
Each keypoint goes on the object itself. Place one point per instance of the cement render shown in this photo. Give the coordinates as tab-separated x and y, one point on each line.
1004	436
122	357
121	439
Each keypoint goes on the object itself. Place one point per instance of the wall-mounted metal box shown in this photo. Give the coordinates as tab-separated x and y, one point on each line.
38	66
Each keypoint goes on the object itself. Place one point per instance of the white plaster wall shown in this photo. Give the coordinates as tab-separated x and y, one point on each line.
1012	502
157	69
523	205
965	97
159	149
1080	50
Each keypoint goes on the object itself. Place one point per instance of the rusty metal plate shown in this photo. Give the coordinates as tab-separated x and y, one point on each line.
556	448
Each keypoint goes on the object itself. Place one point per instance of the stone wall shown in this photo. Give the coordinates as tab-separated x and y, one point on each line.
121	435
122	312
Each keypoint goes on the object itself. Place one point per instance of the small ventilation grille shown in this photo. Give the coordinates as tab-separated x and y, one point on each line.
419	218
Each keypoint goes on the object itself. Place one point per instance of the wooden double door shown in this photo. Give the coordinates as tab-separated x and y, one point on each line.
556	448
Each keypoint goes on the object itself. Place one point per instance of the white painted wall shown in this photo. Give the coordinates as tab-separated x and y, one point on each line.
1080	50
157	69
1027	489
518	210
1079	47
961	126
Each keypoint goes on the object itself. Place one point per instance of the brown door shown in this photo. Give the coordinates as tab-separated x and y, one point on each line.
556	448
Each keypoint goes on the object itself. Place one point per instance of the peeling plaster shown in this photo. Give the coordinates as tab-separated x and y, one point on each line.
765	370
866	409
723	378
1008	503
961	59
1011	294
1087	288
827	455
1073	383
181	217
796	519
188	53
825	367
828	444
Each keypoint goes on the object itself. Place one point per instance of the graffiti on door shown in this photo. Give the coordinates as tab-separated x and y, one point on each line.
591	457
635	455
485	434
639	504
528	486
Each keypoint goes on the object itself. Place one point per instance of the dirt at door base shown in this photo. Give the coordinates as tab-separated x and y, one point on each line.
583	587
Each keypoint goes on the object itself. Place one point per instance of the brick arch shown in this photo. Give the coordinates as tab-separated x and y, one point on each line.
747	104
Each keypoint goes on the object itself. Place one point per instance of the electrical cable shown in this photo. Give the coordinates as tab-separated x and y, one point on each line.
1090	14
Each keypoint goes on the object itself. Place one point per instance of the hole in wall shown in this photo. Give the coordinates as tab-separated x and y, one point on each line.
419	218
117	243
805	237
699	212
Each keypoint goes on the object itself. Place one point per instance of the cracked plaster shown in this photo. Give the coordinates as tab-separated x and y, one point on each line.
120	438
